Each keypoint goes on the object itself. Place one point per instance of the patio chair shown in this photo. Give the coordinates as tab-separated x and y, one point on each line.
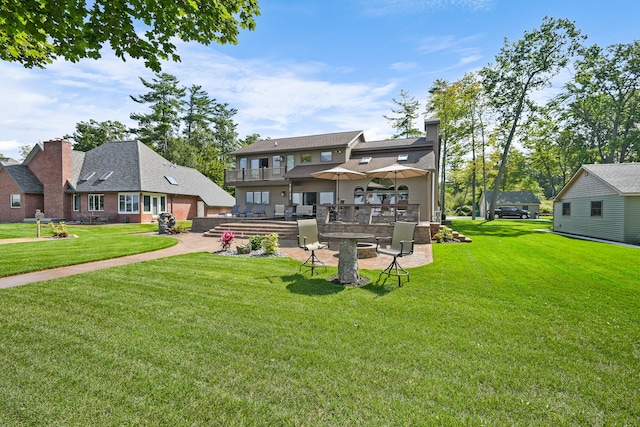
235	210
308	240
278	212
246	211
402	243
258	212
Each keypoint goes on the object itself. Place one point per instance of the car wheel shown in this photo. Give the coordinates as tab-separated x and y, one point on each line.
496	216
524	216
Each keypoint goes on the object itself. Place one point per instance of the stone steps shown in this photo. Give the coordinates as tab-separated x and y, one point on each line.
284	230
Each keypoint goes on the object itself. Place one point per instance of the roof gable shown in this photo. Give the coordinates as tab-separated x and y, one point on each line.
622	178
24	179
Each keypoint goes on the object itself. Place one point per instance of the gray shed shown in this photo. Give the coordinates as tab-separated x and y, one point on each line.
601	201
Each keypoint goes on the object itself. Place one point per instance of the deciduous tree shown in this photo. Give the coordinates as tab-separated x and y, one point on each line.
36	32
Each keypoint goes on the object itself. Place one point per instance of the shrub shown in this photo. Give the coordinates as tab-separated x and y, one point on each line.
270	244
59	229
255	242
226	239
444	235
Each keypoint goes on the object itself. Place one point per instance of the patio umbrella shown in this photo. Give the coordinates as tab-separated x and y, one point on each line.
396	171
339	174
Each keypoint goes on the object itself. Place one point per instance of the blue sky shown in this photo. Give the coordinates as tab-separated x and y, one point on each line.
311	66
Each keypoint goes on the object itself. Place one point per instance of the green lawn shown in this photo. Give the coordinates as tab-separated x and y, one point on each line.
94	243
520	327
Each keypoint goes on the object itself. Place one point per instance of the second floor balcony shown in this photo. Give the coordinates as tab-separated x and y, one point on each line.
234	176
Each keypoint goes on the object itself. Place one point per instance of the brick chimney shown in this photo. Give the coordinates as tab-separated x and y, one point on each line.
53	167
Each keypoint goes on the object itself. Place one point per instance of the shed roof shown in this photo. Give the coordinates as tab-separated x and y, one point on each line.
624	178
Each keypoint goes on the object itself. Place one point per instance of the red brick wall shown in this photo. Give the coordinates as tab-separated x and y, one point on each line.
53	167
7	188
183	207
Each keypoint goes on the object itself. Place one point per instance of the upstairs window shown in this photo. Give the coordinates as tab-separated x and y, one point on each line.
326	156
305	158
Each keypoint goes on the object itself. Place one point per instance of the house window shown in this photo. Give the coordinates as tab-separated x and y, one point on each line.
358	196
257	198
129	203
15	201
243	163
566	209
146	203
596	208
96	202
306	198
276	165
305	158
326	156
326	197
76	202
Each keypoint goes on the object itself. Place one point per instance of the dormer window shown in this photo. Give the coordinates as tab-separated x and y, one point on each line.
88	176
365	160
106	175
403	157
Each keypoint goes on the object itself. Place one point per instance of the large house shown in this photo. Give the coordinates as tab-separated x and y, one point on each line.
601	201
279	171
115	182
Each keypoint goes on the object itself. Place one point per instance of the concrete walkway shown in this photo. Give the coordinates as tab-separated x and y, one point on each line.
195	242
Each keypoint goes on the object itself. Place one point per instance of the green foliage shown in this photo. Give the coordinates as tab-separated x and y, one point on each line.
89	135
444	235
408	113
36	32
270	244
255	242
59	229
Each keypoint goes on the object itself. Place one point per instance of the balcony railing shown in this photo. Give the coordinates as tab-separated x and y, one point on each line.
249	175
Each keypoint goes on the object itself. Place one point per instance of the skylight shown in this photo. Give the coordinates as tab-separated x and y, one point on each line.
171	180
403	157
88	176
106	175
365	160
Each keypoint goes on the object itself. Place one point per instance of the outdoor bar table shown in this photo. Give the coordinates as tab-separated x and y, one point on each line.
348	255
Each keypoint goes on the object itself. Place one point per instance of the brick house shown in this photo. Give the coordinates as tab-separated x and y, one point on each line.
115	182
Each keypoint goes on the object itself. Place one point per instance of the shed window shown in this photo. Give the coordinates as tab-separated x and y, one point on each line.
566	209
596	208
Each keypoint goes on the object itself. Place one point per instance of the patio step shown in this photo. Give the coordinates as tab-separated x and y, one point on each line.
285	230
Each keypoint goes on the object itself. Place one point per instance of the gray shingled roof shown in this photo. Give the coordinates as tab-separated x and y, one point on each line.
24	179
623	177
276	145
137	168
393	144
514	197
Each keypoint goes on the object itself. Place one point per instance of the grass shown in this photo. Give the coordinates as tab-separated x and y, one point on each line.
519	328
94	243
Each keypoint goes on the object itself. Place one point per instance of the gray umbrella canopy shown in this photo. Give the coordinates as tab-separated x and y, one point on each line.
339	174
396	171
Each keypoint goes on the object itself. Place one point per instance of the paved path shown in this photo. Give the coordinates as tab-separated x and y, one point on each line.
195	242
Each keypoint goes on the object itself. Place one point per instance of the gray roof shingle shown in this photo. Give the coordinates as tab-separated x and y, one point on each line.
137	168
277	145
623	177
24	179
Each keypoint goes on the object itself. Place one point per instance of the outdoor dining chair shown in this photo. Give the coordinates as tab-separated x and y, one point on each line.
246	211
260	211
278	212
402	242
308	240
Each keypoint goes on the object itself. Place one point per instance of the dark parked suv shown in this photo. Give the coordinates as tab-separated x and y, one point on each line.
510	212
